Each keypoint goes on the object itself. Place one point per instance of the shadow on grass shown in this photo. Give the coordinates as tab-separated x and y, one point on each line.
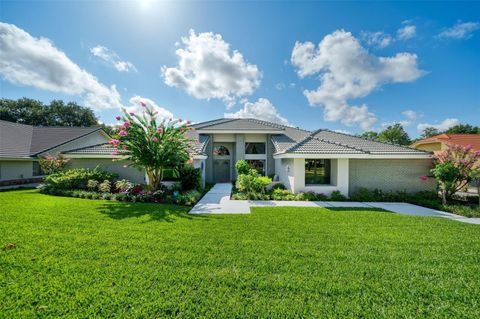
350	209
156	212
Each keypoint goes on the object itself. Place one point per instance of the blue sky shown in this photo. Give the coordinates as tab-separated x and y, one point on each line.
343	66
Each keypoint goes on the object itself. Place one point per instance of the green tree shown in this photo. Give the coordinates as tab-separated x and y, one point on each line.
394	134
463	129
57	113
371	135
152	145
429	132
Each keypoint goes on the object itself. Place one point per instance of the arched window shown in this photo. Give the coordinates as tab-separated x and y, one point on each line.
221	150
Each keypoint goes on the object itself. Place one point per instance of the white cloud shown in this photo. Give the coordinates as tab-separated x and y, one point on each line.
209	69
411	115
280	86
263	109
137	107
37	62
112	58
347	71
461	30
443	126
406	32
403	123
379	38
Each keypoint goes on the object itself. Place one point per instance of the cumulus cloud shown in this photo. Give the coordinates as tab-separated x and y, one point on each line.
347	71
461	30
442	126
263	109
36	62
137	107
112	58
411	115
379	39
406	32
209	69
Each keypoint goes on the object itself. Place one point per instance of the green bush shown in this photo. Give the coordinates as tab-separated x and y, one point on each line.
77	178
337	196
92	184
462	210
242	167
190	177
252	183
105	186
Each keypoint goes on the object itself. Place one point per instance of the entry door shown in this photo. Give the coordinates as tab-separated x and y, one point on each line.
221	168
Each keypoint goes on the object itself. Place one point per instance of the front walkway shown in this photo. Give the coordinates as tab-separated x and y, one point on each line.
217	201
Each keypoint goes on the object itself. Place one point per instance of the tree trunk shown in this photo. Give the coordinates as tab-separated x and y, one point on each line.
444	196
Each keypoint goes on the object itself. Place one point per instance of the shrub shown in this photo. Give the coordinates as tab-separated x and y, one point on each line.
281	194
77	178
462	210
190	177
189	198
123	185
363	195
242	167
105	186
52	164
337	196
252	183
239	196
92	184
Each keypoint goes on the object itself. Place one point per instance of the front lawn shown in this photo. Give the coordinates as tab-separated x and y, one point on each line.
91	258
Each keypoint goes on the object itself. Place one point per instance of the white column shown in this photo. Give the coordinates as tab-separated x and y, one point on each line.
342	175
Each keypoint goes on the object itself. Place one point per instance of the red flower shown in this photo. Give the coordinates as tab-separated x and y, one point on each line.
126	124
122	133
155	139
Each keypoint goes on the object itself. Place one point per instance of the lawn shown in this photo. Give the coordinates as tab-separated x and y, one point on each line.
91	258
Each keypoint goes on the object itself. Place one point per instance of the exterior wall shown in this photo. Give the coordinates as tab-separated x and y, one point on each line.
130	173
284	171
209	161
270	161
389	175
200	163
89	140
10	170
239	151
431	147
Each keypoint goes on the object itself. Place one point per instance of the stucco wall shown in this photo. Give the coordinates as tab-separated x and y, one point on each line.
130	173
15	170
394	174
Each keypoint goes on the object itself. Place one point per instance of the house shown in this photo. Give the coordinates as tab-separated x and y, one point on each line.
439	143
21	145
320	161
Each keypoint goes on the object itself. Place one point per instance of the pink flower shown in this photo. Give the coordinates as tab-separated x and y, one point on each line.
424	178
179	120
188	122
118	118
126	124
131	114
143	104
124	147
114	142
122	133
115	152
155	139
159	130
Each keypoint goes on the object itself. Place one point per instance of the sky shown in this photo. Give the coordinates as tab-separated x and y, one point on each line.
345	66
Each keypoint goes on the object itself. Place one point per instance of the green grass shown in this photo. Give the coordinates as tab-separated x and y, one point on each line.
90	258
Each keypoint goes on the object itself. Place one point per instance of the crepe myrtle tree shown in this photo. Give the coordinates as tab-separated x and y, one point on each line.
153	144
455	168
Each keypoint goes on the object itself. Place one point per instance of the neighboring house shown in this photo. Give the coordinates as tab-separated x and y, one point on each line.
21	145
320	161
439	143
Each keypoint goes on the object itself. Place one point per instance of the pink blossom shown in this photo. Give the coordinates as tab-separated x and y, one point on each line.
126	124
122	133
115	152
118	118
424	178
114	142
131	114
180	120
124	147
188	122
155	139
143	104
159	130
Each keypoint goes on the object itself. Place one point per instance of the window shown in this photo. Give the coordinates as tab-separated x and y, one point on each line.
254	148
317	171
36	169
259	165
221	150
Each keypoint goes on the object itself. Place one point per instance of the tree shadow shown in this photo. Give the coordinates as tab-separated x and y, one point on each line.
156	212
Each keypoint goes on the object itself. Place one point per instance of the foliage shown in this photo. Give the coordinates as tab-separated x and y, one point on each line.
370	135
429	132
337	196
242	167
190	177
123	185
475	175
277	262
57	113
252	183
51	164
153	144
105	186
189	198
454	168
77	178
394	134
92	185
463	129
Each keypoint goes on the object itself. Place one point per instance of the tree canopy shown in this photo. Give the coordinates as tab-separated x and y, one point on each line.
57	113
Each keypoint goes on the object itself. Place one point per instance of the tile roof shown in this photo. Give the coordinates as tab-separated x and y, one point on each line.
457	139
20	140
239	125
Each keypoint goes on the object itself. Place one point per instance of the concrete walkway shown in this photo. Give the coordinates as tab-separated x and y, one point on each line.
217	201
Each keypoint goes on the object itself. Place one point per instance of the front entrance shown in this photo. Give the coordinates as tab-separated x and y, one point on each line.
221	163
221	169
